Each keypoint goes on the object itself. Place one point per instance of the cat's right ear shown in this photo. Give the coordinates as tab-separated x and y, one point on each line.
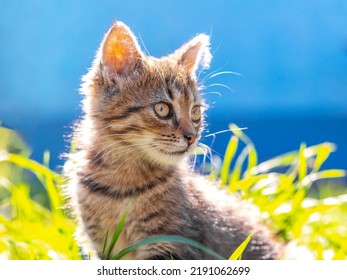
195	53
120	52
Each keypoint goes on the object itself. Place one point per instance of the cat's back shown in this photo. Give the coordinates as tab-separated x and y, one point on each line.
228	220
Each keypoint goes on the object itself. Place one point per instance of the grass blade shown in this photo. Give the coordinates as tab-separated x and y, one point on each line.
325	174
43	173
165	238
228	157
103	252
252	159
236	174
280	161
297	201
302	165
115	236
323	152
239	250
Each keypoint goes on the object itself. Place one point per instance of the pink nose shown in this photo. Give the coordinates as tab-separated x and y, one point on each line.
190	136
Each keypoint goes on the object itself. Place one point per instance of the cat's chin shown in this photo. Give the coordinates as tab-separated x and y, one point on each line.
166	158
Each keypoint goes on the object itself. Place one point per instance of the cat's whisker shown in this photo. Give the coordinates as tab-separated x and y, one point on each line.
220	85
144	45
195	158
222	73
226	130
215	152
201	71
207	153
204	147
212	72
212	92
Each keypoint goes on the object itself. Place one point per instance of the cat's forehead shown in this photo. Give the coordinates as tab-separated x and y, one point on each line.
175	82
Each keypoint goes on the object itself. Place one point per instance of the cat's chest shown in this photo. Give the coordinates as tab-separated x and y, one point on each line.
106	209
146	211
101	215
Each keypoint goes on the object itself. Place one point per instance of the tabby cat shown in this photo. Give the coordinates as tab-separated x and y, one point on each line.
142	117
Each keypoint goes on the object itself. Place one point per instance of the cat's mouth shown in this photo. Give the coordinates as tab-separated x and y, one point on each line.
179	152
168	155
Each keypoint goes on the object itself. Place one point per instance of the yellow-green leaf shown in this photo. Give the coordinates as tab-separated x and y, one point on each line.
237	254
228	157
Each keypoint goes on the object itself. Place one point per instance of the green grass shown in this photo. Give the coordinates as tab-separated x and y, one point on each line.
281	188
35	225
32	225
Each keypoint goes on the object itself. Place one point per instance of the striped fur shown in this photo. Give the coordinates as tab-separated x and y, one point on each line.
130	159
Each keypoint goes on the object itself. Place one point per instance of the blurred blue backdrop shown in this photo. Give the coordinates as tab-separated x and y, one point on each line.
292	57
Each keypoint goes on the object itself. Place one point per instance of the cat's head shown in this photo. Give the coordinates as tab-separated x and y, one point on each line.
145	105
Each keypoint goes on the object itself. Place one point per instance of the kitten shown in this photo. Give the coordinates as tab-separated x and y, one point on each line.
142	117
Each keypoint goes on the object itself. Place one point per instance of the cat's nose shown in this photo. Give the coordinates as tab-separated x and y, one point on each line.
190	136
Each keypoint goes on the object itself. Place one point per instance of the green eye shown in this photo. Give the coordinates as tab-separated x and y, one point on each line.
196	114
162	109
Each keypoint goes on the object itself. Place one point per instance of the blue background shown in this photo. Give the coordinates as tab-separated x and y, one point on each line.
292	57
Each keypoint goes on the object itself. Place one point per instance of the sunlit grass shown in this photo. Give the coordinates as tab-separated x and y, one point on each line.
34	224
31	227
281	188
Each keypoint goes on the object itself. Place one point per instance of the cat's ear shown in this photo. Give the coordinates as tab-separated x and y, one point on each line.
120	52
195	53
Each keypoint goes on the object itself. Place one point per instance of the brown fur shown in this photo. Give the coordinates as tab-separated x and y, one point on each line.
129	159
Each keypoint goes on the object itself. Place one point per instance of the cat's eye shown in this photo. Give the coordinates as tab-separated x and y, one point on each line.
196	114
162	109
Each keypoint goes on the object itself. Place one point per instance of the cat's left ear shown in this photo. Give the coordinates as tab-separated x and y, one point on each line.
120	52
195	53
